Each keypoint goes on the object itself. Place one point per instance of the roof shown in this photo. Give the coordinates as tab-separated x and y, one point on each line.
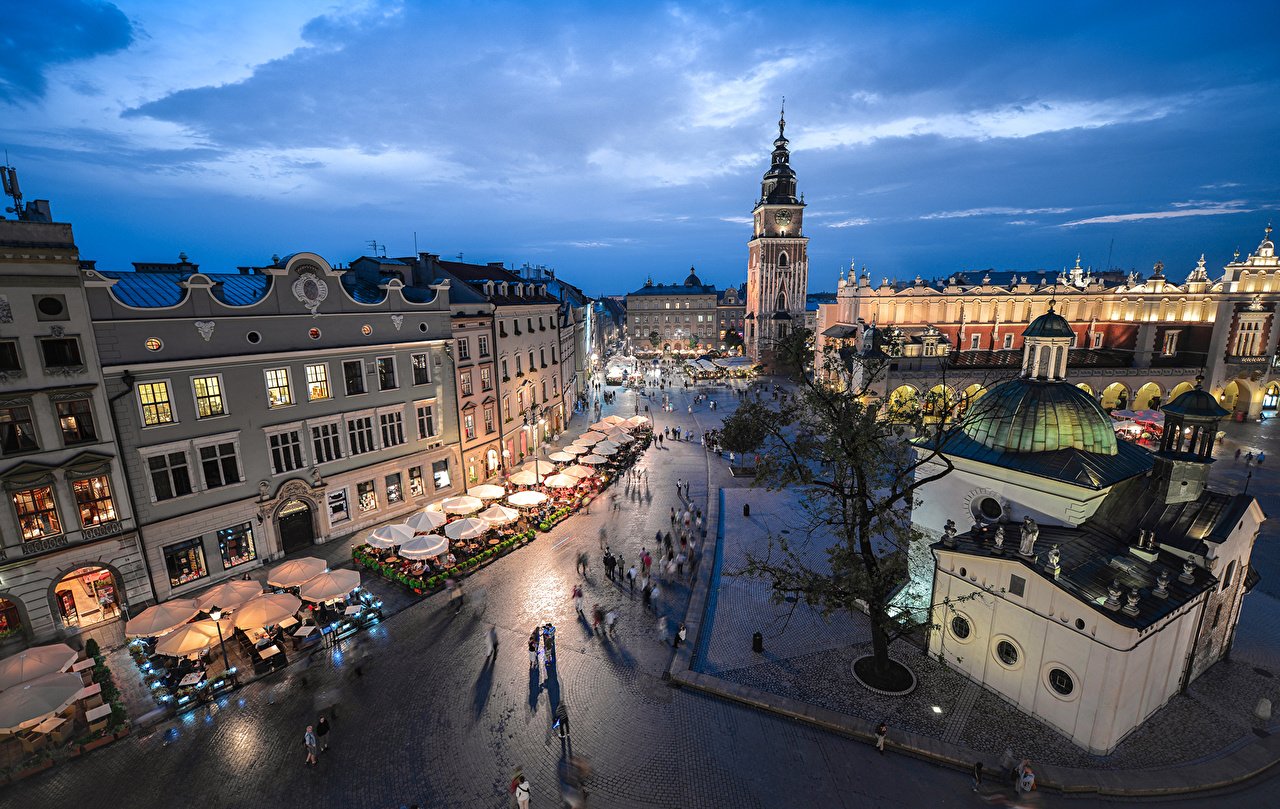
840	330
476	274
1136	504
1196	404
1050	324
1089	470
162	289
674	289
1076	358
1032	416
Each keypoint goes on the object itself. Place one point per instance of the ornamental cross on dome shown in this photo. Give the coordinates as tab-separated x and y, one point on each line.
310	292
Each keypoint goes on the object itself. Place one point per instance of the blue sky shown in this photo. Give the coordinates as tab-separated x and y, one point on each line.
617	140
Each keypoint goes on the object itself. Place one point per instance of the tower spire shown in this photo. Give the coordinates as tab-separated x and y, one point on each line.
782	122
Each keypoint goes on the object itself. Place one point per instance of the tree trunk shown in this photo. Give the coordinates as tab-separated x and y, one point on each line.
879	638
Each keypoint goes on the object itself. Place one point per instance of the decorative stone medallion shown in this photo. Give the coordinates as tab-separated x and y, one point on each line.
205	327
310	291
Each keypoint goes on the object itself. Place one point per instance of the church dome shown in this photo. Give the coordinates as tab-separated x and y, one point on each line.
693	280
1050	324
1030	415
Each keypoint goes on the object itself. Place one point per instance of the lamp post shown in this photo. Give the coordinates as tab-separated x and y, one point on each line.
531	419
216	614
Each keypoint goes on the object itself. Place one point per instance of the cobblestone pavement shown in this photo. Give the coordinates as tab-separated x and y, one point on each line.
430	722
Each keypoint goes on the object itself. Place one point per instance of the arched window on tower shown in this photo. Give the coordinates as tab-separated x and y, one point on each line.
782	260
782	302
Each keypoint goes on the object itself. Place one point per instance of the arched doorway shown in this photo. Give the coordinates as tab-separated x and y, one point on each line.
295	525
1148	397
939	402
13	620
1084	387
86	596
1115	397
1237	396
491	461
968	396
1181	388
903	402
1271	397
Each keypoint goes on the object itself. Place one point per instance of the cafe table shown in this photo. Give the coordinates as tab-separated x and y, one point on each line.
288	622
269	652
352	610
191	679
305	631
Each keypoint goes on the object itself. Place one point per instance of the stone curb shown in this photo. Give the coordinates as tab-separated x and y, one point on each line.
1239	766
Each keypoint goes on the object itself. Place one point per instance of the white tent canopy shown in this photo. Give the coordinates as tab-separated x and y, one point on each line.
468	528
499	515
424	547
161	618
488	491
30	703
388	536
30	664
613	419
461	505
526	499
330	585
424	522
295	572
639	421
229	594
267	609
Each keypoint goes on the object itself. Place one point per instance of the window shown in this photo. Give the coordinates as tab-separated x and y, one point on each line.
505	375
208	392
960	627
326	445
386	373
553	355
392	425
1170	343
366	496
488	419
421	369
506	407
10	359
1017	585
338	506
519	370
483	341
542	355
464	348
353	377
317	382
17	432
1060	681
236	545
1229	577
530	321
417	487
286	452
278	392
219	465
486	378
185	562
531	364
157	407
469	424
76	420
1097	340
989	509
1217	616
1007	653
426	421
1008	341
61	352
544	391
37	513
440	474
555	384
170	477
153	344
395	494
360	435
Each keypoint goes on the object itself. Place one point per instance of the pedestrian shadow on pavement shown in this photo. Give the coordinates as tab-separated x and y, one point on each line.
616	654
483	687
535	688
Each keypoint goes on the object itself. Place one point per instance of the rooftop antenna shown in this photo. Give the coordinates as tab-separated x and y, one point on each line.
374	247
415	242
11	189
459	258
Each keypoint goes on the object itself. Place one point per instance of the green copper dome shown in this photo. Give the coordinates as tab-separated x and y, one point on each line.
1050	324
1028	415
1197	404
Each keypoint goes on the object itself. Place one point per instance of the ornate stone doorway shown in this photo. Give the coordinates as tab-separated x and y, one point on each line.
295	525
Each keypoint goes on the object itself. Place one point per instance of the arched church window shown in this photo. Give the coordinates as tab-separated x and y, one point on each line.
781	303
782	259
1229	576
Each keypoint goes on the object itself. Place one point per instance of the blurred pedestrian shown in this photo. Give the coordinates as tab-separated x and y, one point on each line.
309	739
322	733
491	640
577	599
977	775
679	637
882	730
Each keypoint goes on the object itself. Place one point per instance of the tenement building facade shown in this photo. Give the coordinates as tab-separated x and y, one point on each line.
1137	342
673	317
263	411
70	556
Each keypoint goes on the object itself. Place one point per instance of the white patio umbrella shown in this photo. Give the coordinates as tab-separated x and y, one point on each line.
266	610
561	481
229	594
424	547
30	664
593	460
461	505
526	499
601	425
614	420
295	572
30	703
578	471
603	449
426	521
161	618
468	528
524	479
589	438
538	466
488	491
499	515
388	536
330	585
561	457
193	637
604	445
639	421
574	449
435	507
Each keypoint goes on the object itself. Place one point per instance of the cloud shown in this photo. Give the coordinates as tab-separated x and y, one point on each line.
737	220
723	102
40	35
856	222
992	211
1216	186
1178	210
1008	121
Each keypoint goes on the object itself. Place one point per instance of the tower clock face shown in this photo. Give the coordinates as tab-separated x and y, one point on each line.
782	217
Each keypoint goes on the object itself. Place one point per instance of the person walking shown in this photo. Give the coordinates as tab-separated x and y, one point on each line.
882	730
597	617
491	639
631	580
522	791
679	637
577	599
322	733
533	650
610	619
977	776
309	739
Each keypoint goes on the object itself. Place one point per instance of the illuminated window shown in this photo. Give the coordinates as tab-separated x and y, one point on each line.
93	499
37	513
157	407
317	382
208	392
278	391
154	344
76	420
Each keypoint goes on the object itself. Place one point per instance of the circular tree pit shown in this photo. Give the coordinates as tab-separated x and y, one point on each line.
896	680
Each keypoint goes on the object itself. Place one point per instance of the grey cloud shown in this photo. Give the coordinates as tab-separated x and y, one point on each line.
39	35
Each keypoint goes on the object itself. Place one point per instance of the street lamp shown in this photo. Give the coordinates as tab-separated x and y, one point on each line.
216	614
532	418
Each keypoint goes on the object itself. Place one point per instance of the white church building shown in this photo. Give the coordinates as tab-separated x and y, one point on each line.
1096	578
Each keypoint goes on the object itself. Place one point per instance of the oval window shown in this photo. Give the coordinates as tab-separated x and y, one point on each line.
963	573
366	330
1080	624
153	344
253	337
1061	682
314	334
960	627
422	327
989	508
49	306
1007	653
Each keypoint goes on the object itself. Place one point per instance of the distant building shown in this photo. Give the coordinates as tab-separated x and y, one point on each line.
674	317
731	311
